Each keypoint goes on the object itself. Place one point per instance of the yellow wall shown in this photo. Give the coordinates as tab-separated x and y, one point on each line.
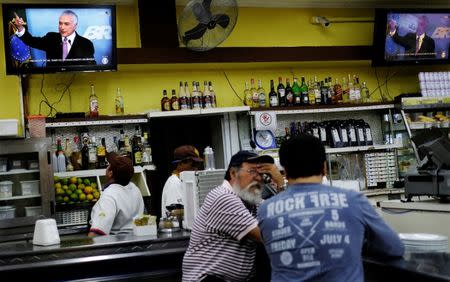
142	85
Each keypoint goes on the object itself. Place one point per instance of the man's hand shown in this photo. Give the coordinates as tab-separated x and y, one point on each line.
18	22
273	171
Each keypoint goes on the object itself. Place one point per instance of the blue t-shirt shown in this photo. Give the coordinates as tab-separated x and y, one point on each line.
314	232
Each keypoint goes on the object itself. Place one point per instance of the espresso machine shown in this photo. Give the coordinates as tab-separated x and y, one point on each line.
432	176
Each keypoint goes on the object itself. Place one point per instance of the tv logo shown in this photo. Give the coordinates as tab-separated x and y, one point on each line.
98	32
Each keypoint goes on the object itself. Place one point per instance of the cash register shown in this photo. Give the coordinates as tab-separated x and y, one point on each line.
432	176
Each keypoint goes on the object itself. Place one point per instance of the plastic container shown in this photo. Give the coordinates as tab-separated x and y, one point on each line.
33	211
3	164
209	158
16	164
33	164
46	232
29	187
6	189
36	124
7	212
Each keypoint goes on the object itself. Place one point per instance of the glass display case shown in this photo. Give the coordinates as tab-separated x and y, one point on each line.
25	186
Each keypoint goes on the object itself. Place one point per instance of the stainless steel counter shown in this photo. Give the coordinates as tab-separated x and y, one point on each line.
102	256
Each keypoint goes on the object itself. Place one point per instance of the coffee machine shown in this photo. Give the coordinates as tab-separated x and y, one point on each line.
432	176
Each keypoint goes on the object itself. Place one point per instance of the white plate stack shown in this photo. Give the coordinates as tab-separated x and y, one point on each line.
424	243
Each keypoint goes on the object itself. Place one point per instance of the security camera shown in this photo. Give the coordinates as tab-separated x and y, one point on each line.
321	20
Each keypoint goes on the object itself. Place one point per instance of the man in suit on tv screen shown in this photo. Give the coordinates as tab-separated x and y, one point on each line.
64	48
417	44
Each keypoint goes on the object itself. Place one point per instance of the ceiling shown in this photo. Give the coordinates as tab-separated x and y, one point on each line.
283	3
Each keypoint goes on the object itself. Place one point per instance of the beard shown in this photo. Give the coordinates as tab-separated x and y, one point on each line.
250	194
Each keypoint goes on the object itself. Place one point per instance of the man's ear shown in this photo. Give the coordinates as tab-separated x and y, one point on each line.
233	173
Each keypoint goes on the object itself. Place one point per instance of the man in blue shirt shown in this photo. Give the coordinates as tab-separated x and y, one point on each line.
314	232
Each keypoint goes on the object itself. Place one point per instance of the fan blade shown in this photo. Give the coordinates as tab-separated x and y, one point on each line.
202	15
207	5
222	19
195	33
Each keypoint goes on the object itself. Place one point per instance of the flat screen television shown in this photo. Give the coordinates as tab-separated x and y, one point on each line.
411	36
59	38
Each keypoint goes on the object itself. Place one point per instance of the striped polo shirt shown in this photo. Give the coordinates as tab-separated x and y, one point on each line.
217	245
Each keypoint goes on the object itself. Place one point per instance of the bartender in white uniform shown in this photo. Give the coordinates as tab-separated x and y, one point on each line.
185	158
120	202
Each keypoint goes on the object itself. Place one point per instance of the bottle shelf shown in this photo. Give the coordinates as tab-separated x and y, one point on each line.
352	149
20	197
101	120
25	171
325	108
193	112
425	103
98	172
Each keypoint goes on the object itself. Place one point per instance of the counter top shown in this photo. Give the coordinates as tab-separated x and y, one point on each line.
422	205
413	267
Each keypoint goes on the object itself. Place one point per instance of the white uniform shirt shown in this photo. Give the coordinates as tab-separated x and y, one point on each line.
172	193
116	208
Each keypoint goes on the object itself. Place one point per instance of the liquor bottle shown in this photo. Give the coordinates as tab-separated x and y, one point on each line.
317	93
146	151
68	153
365	93
337	92
296	91
183	100
93	103
92	153
255	94
119	102
289	94
137	150
174	106
248	101
121	142
206	96
261	95
85	152
345	91
281	92
311	94
304	97
273	96
213	95
287	135
75	158
200	94
196	102
323	92
357	89
61	158
351	90
330	91
165	102
127	147
188	94
101	154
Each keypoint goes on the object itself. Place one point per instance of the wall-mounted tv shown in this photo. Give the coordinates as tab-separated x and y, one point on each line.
411	36
59	37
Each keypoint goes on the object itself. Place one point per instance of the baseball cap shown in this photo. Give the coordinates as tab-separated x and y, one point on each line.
186	152
247	157
121	167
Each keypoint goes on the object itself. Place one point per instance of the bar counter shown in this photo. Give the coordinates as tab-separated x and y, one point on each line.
119	257
159	258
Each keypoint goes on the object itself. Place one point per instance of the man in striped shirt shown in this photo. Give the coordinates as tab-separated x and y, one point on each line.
223	239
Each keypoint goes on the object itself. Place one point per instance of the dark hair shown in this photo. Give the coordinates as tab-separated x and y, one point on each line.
302	156
121	167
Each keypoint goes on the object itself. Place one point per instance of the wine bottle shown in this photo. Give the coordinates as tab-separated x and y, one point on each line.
281	93
93	103
273	96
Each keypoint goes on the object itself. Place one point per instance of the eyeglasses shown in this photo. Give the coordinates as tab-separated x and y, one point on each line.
252	171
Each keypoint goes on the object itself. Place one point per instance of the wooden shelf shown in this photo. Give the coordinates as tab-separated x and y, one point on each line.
242	54
25	171
98	172
194	112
